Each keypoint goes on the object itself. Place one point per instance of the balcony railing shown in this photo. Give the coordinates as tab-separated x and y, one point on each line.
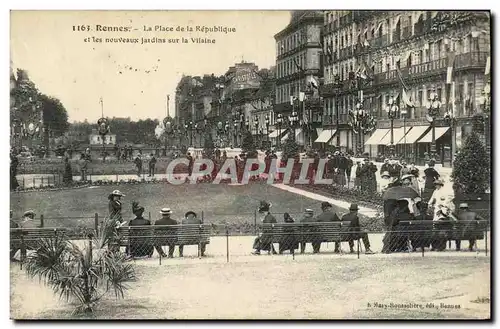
381	41
462	61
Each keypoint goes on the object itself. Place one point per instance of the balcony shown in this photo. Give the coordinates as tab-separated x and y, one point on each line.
439	66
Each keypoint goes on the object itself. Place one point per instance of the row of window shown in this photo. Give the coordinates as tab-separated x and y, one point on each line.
285	91
291	65
419	95
291	41
429	53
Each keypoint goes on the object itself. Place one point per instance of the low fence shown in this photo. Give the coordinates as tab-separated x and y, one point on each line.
212	240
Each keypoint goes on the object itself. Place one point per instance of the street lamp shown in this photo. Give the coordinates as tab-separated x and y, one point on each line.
279	122
392	110
267	128
337	85
433	106
403	114
293	119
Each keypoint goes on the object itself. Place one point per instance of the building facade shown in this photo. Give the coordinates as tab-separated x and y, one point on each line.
298	75
406	56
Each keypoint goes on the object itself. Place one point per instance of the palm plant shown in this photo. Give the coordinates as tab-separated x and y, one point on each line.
82	274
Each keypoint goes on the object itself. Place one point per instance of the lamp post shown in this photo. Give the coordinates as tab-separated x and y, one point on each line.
433	107
485	104
293	119
392	110
337	85
403	113
256	125
308	125
279	122
267	128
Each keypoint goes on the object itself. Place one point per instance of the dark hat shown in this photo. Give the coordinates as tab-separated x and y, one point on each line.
264	206
353	207
325	205
190	213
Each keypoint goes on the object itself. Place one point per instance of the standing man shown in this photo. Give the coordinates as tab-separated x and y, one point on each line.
191	163
348	170
355	230
466	215
168	235
328	216
431	175
138	164
152	164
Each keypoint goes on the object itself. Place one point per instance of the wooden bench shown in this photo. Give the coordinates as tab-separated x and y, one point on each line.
428	230
164	235
319	232
31	238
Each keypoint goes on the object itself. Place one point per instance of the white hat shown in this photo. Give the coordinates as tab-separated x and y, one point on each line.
385	174
406	176
166	211
117	192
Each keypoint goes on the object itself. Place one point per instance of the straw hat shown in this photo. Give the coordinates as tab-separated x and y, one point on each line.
166	211
385	174
309	211
463	205
117	192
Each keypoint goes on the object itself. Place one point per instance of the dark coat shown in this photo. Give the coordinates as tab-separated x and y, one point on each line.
395	170
166	221
354	219
327	216
386	167
430	177
140	245
168	235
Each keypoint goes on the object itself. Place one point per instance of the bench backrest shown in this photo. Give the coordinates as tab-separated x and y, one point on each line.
307	232
28	234
181	234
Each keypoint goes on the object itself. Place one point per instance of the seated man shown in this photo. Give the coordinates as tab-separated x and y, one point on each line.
264	242
468	215
326	216
167	236
140	246
315	236
352	217
190	218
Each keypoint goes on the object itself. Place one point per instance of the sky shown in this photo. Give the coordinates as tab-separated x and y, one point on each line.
133	79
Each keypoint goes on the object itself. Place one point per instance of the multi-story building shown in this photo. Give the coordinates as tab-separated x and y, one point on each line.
298	72
407	56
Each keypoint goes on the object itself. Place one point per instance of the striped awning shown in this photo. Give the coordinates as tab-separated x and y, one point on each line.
398	134
376	137
413	135
440	131
325	136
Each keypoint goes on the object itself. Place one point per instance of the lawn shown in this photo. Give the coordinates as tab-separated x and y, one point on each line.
219	203
266	287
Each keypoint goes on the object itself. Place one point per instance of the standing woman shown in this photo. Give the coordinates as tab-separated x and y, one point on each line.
115	206
431	175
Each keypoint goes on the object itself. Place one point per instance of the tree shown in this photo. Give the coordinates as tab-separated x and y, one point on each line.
82	274
24	95
55	117
290	149
471	168
248	145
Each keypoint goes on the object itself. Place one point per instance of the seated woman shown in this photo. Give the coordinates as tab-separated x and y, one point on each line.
392	240
420	239
140	246
289	241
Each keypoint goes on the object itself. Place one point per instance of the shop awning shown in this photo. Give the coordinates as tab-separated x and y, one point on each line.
413	135
275	133
319	130
325	136
284	138
298	131
440	131
377	136
398	134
